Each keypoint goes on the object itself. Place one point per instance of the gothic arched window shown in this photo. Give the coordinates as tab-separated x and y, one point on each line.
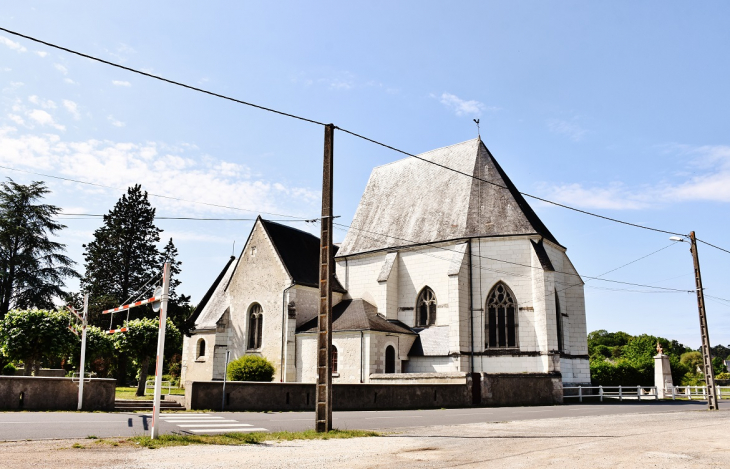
426	308
255	326
559	322
333	353
390	359
501	318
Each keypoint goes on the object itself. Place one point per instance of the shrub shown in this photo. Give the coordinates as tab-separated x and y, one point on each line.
724	375
9	370
250	368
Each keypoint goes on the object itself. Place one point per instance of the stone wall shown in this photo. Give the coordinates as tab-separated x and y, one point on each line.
245	396
44	393
384	392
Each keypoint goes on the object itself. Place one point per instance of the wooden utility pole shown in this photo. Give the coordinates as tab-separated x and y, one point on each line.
706	358
326	275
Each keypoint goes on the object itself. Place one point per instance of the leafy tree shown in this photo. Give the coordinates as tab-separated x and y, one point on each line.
720	351
609	339
123	255
718	366
98	346
692	360
32	267
140	342
36	335
178	306
250	368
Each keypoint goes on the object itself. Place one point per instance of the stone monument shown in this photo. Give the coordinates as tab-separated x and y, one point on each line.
662	373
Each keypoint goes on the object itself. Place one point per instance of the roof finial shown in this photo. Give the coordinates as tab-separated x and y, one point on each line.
476	121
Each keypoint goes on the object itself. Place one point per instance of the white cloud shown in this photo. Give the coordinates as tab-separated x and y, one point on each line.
121	83
41	53
160	168
69	81
72	107
45	104
115	122
43	118
568	128
61	68
16	118
12	44
463	107
710	181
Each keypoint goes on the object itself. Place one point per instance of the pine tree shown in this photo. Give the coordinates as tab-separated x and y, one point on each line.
32	267
178	307
123	255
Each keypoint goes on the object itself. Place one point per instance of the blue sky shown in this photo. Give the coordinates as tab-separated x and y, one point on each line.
618	108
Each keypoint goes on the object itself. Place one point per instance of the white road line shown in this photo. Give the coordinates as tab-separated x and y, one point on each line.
398	417
229	430
221	425
210	422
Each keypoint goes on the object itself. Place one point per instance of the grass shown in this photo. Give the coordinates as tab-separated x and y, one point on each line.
235	439
130	393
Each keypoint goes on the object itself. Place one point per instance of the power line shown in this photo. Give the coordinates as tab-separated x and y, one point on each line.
712	245
150	193
156	77
533	267
218	95
91	216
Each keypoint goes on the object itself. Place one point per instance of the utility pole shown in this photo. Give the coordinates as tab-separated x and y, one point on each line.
160	350
82	364
323	417
706	359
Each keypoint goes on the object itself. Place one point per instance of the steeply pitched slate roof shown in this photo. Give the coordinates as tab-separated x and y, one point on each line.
211	304
299	251
357	315
413	202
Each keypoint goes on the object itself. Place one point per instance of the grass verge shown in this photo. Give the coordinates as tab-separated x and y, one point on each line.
131	393
234	439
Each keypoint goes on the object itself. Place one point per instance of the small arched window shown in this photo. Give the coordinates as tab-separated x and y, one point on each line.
201	349
426	308
559	322
333	353
501	318
390	359
255	326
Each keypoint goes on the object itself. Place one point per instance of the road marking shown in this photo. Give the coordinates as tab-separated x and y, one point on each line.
210	422
398	417
228	430
221	425
192	418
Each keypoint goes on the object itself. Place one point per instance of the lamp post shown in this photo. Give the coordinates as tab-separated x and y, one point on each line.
706	359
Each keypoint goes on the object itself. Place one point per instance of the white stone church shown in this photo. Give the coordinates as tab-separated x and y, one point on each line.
438	273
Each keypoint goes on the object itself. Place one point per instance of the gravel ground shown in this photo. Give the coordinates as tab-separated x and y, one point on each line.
677	440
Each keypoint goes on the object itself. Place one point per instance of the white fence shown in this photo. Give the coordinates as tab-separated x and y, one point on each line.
150	384
642	392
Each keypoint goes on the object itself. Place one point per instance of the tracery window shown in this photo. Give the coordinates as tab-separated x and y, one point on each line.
390	359
426	308
501	324
255	326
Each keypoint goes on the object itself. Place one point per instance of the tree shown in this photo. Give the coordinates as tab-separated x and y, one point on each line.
140	342
32	267
123	255
178	306
98	346
36	335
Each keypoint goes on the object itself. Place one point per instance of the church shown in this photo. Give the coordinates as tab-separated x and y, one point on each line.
439	274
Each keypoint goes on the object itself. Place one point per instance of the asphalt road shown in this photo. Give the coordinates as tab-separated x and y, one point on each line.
53	425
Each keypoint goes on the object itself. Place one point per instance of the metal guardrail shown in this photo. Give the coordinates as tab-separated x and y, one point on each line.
150	384
644	392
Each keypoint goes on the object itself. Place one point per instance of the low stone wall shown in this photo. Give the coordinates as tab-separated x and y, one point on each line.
420	378
518	389
249	396
44	393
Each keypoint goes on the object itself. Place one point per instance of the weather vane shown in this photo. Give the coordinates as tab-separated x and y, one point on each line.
476	121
